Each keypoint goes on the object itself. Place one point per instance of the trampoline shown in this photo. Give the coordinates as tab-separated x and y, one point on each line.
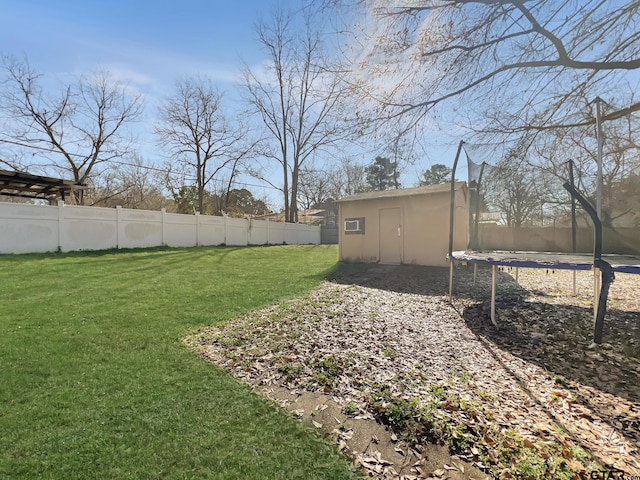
567	231
559	261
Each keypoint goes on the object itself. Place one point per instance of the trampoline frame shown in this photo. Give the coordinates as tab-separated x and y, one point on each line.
605	264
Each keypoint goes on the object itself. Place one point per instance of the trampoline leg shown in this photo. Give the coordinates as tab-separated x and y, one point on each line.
493	295
475	272
450	281
605	282
517	270
596	292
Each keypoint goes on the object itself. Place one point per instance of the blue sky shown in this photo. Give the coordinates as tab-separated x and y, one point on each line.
155	39
146	44
149	45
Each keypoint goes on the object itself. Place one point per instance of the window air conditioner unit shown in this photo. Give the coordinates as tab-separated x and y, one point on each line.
352	225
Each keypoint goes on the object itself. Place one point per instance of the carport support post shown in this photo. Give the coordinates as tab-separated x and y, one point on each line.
493	295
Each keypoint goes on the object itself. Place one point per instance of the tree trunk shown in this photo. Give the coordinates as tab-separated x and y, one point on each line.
294	194
200	188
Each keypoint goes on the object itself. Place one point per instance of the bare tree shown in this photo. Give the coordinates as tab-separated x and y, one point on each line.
130	184
515	194
314	188
523	64
72	131
348	178
194	129
296	97
335	180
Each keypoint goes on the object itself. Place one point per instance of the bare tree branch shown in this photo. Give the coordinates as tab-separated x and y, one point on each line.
80	128
195	131
435	56
296	98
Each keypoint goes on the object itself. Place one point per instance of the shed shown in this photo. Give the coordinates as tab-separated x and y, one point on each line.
409	226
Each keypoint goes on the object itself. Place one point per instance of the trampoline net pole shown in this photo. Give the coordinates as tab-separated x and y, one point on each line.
450	280
600	266
493	295
596	289
452	200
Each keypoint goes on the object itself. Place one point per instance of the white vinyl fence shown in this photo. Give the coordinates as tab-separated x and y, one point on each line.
38	228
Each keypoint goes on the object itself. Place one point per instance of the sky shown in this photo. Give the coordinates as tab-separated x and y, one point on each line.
147	42
148	45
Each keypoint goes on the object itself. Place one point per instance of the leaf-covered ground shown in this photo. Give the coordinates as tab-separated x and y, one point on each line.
528	399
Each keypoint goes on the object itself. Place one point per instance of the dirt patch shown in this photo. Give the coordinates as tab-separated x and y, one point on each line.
381	360
372	446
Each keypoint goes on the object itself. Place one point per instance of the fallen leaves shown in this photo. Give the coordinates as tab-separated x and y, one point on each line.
530	377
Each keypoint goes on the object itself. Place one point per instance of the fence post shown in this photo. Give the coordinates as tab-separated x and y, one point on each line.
224	215
197	229
118	209
60	222
163	212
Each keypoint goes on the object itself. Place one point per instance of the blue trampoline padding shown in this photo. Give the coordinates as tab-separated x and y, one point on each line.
560	261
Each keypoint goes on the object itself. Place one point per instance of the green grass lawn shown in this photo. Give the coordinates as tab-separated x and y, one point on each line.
96	384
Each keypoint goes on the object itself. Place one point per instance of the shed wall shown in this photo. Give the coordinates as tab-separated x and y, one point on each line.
424	228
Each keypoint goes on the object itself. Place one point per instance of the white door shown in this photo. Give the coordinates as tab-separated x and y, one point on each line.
390	230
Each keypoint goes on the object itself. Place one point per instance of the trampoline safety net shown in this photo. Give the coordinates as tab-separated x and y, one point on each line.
517	201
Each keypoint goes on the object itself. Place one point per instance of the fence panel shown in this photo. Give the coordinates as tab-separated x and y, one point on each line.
39	228
87	228
237	231
258	232
328	235
28	228
139	228
276	233
180	230
211	230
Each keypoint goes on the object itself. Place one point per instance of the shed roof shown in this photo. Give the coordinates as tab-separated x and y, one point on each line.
403	192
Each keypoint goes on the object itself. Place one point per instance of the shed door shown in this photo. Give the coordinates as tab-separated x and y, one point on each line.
389	235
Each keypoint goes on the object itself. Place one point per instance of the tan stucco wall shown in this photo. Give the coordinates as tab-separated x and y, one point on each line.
424	228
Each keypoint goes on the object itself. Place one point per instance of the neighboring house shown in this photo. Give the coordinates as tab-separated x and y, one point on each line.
409	226
315	216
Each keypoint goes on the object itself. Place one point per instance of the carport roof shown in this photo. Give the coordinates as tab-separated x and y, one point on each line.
20	184
402	192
